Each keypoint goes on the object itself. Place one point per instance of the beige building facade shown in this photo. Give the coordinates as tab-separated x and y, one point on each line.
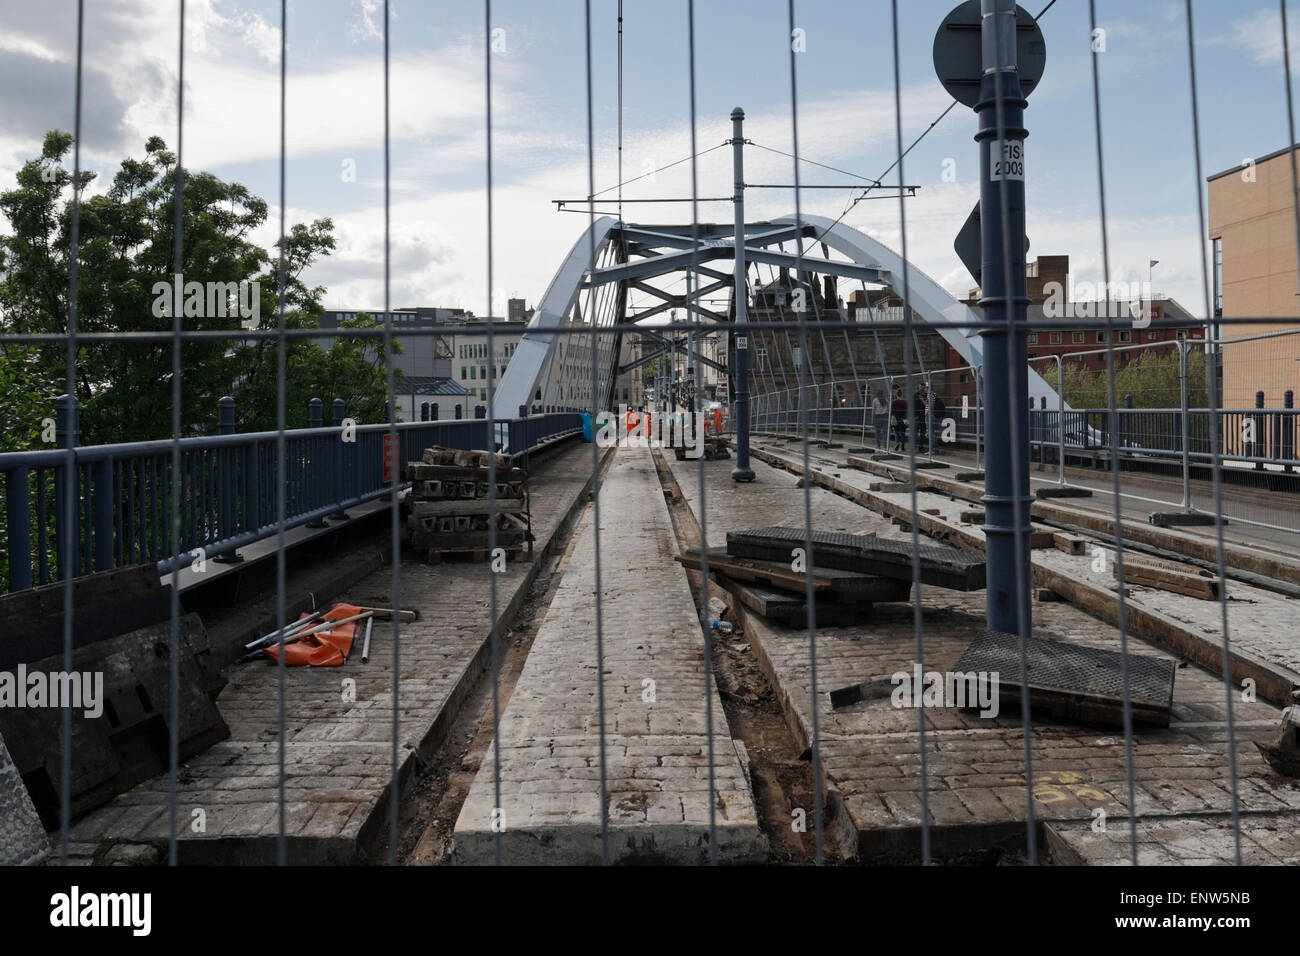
1255	274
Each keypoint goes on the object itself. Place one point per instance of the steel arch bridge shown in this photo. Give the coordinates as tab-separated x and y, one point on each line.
585	310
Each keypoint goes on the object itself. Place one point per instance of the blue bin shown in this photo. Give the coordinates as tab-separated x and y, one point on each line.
588	434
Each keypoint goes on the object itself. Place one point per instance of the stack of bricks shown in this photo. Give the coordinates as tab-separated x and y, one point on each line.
449	508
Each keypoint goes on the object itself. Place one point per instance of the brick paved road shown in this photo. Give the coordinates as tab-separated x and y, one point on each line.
338	752
975	767
656	751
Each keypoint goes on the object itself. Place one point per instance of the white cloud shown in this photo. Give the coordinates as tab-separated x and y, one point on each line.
1260	36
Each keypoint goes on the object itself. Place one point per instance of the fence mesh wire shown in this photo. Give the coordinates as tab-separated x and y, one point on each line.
1196	426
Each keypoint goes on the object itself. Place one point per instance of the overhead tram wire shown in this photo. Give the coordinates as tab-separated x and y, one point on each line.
686	159
925	132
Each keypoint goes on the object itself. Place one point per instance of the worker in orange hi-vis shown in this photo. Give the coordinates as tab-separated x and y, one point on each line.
717	421
630	422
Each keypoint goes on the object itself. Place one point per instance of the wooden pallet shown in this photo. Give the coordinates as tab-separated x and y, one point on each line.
433	490
467	539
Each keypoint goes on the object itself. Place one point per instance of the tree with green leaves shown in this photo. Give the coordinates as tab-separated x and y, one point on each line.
126	284
1151	377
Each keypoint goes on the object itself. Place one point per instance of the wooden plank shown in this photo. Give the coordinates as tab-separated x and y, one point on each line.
745	569
792	610
972	516
842	586
470	506
1168	579
1070	543
419	471
1041	537
464	540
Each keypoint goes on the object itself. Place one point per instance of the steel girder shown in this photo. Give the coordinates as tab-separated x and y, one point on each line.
869	261
929	300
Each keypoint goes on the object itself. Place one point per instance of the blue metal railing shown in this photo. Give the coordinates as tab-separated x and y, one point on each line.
1257	436
122	494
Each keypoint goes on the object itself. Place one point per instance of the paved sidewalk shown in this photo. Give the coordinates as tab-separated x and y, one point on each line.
338	753
975	774
655	698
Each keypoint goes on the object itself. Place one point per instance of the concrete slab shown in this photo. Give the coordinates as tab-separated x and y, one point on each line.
657	706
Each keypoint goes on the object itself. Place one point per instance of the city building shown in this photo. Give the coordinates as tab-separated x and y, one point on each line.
471	367
430	399
1255	275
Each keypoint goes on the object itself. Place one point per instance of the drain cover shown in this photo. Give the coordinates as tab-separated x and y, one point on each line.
1075	683
940	566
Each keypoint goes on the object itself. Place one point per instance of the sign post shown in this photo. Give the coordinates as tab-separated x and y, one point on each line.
996	90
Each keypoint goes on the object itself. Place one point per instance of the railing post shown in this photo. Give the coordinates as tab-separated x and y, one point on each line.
1258	430
1185	427
104	503
18	520
340	492
67	434
929	413
226	480
740	378
1288	430
312	480
1125	424
1060	416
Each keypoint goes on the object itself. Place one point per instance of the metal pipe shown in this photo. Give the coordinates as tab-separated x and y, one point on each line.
1002	179
742	471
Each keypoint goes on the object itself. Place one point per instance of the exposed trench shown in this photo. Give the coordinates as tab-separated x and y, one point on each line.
779	768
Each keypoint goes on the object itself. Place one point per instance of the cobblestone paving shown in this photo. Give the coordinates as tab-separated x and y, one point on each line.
337	754
655	700
975	767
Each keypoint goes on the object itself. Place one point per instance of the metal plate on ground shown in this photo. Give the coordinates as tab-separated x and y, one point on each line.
22	838
1084	684
866	554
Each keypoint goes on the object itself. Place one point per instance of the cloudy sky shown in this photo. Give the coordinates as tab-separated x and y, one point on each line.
539	122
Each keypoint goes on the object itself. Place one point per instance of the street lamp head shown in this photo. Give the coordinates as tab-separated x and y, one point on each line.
737	114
